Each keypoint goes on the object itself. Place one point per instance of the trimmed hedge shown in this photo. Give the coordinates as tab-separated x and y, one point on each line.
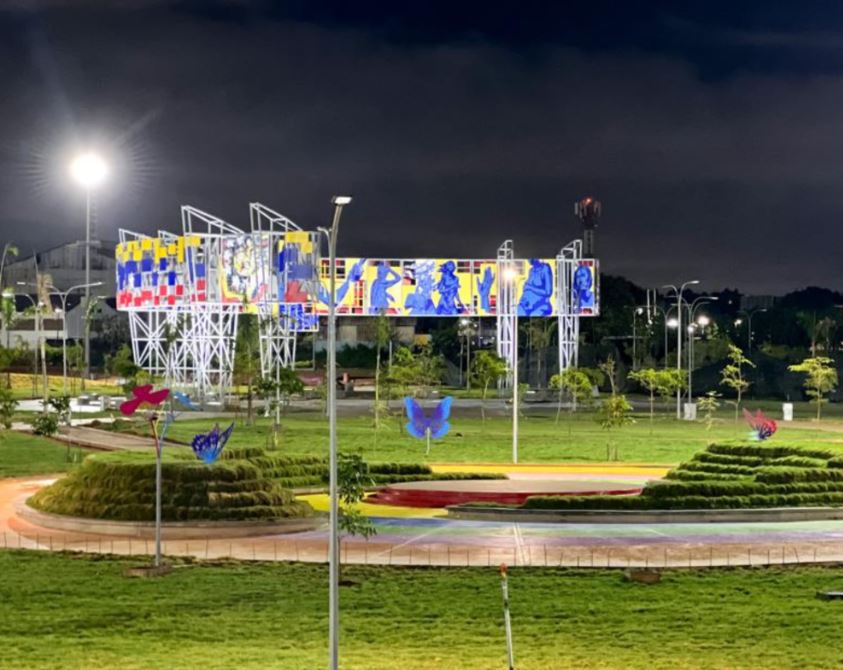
729	476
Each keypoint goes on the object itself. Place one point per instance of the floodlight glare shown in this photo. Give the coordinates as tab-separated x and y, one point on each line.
509	274
341	200
89	170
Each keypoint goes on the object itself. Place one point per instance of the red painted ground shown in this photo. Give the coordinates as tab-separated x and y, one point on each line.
501	491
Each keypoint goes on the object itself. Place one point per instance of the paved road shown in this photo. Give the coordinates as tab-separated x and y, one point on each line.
430	540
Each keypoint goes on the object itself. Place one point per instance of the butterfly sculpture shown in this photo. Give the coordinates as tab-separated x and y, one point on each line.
422	426
762	427
143	395
208	446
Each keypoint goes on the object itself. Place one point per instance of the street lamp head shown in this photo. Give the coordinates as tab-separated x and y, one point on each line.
672	323
691	328
509	274
341	200
703	321
89	170
738	322
639	310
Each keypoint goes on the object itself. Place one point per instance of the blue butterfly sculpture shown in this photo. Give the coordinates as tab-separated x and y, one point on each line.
422	426
208	446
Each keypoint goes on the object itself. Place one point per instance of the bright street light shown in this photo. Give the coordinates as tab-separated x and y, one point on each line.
703	321
89	170
672	322
341	200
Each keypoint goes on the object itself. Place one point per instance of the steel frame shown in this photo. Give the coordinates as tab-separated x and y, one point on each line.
569	323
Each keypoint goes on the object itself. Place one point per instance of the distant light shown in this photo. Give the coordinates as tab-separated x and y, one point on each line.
89	170
703	321
639	310
738	322
509	274
672	323
691	328
341	200
465	322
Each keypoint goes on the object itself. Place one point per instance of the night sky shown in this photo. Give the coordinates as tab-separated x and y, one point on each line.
713	136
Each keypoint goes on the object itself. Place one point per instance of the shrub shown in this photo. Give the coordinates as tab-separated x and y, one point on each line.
45	424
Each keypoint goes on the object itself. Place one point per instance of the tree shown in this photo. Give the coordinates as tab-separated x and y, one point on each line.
820	380
486	369
247	358
648	379
732	375
353	478
664	382
8	405
10	314
708	405
576	383
614	412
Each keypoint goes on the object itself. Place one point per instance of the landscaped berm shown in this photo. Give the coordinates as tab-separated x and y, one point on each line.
243	485
247	483
730	476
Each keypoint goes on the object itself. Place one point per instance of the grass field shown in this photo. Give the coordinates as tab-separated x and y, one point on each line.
22	455
74	612
24	387
575	439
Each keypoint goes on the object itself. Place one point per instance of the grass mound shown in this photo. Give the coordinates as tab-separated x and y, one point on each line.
246	483
728	476
121	487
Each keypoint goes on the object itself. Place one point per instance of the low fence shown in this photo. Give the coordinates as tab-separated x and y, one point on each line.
359	552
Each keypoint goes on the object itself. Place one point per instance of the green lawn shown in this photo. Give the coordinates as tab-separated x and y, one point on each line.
73	612
574	439
22	455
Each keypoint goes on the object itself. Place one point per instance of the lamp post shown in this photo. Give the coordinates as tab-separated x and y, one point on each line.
678	293
692	326
88	170
749	314
635	312
339	201
63	298
466	330
509	276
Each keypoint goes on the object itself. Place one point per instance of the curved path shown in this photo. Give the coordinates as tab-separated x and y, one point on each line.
408	536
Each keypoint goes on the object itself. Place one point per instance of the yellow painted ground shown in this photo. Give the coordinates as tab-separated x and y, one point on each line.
319	502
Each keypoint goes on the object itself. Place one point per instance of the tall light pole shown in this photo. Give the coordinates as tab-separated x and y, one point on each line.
749	314
635	312
339	201
692	326
63	298
678	293
88	170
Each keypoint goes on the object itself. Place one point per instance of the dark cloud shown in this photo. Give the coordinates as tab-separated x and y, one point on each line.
450	145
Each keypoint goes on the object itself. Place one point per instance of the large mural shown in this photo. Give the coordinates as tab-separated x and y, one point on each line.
292	277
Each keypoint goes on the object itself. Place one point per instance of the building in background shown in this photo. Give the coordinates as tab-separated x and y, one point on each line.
65	265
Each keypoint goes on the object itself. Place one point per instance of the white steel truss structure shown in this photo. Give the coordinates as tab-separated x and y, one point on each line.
507	311
569	321
184	294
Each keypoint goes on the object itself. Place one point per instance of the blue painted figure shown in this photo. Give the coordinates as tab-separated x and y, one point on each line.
449	290
353	277
583	290
484	288
380	298
419	301
537	291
